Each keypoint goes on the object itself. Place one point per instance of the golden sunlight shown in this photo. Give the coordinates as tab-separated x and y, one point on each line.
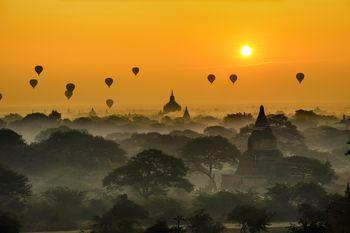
246	51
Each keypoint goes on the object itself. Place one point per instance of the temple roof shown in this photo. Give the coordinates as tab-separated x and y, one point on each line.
171	106
262	121
186	114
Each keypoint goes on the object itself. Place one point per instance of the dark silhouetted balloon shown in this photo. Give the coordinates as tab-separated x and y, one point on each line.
70	87
211	78
39	69
109	82
0	97
109	103
135	70
33	83
300	77
68	94
233	78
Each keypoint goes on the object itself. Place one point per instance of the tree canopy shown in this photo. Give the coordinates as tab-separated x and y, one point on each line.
150	172
205	154
14	190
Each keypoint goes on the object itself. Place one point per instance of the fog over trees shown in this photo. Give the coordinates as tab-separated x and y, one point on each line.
135	173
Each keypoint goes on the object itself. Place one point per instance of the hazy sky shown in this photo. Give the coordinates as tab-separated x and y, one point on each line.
176	44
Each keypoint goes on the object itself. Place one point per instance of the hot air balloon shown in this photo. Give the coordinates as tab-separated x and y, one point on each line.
300	77
0	97
109	82
211	78
233	78
68	94
109	103
135	70
38	69
33	83
70	87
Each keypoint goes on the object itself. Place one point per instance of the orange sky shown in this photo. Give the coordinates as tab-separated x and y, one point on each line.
176	44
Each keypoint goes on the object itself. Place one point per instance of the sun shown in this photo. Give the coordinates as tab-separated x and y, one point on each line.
246	51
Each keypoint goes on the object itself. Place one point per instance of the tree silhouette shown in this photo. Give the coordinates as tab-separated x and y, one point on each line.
202	222
312	220
159	227
150	172
122	218
14	190
251	218
205	154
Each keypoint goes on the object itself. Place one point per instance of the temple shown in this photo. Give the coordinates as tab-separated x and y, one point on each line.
262	153
172	105
262	148
186	115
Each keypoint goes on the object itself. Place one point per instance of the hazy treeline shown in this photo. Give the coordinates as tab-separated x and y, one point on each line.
134	173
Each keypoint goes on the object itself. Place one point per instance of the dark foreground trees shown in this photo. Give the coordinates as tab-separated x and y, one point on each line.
251	218
202	222
312	220
159	227
123	217
14	190
150	172
8	224
58	208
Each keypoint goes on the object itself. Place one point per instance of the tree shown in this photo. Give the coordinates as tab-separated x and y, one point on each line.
279	192
159	227
14	190
57	209
279	199
310	193
74	148
312	220
220	131
303	168
220	204
251	218
122	218
8	224
12	147
205	154
169	144
202	222
150	172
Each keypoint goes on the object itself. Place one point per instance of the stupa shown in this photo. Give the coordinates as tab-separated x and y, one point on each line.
186	115
262	153
172	105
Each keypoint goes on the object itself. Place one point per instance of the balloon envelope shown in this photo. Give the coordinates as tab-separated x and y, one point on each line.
33	83
0	96
211	78
233	78
70	87
109	82
300	77
68	94
38	69
109	103
135	70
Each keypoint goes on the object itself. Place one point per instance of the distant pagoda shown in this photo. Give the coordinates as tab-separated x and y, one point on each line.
172	105
186	115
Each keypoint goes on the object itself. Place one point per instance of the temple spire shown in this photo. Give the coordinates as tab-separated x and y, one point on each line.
186	115
172	97
261	121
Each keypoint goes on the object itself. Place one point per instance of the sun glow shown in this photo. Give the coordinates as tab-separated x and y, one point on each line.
246	51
